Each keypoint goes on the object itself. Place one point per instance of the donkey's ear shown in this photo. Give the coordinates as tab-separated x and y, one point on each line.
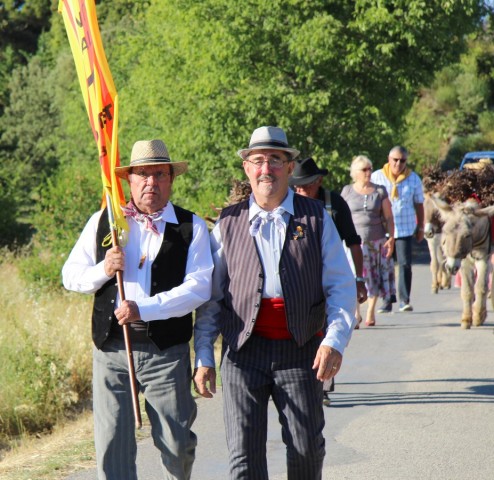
443	208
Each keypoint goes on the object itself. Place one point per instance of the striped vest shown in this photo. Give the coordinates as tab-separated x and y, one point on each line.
167	271
300	273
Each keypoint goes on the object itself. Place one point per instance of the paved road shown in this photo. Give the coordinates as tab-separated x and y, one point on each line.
414	400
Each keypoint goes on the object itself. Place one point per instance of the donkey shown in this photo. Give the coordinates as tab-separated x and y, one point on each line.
441	277
467	245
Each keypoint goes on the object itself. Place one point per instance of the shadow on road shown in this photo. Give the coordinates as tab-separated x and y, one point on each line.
475	391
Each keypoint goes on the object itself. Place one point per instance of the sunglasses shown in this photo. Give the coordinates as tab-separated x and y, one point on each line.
401	160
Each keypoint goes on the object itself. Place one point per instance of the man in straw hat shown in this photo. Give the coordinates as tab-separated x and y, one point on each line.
167	267
283	298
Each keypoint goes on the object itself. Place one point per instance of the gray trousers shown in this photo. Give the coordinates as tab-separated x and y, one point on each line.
280	370
164	377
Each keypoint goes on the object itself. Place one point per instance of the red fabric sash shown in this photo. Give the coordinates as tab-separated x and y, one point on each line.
271	321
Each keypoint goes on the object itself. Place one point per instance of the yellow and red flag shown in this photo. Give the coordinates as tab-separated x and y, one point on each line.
98	90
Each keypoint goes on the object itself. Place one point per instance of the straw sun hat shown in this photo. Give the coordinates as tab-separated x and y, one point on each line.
150	152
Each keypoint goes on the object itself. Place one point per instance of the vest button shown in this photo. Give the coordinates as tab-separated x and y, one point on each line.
256	305
109	318
259	290
247	334
154	284
253	320
113	301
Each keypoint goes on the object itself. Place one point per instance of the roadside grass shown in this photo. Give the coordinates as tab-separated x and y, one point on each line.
46	430
69	448
45	356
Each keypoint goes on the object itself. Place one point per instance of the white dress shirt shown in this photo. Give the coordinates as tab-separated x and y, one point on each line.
82	274
338	282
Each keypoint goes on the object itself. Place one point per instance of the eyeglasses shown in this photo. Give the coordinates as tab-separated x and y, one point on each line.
366	169
273	162
401	160
159	176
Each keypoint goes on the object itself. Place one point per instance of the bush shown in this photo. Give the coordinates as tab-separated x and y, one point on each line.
45	354
66	203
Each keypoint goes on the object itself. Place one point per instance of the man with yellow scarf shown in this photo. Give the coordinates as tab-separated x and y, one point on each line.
407	198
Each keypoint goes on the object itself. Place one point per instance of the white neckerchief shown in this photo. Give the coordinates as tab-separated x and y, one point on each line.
264	217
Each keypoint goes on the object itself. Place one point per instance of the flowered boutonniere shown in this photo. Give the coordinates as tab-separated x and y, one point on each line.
299	233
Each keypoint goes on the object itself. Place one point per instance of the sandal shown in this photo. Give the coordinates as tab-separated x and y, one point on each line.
359	321
370	323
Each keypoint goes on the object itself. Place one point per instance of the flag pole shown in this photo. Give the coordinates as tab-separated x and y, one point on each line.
128	346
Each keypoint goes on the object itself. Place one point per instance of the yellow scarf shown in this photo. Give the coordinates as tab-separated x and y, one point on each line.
395	180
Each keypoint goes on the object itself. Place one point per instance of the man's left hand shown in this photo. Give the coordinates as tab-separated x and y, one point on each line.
327	362
128	312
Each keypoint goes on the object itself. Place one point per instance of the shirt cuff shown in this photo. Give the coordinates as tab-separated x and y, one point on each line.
147	309
204	358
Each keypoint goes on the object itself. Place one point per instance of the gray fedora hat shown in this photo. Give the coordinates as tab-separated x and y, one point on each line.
268	138
306	171
150	152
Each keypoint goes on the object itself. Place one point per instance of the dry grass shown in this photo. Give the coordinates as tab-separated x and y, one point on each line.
45	356
67	449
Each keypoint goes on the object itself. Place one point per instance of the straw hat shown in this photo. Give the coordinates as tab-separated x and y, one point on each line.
268	138
150	152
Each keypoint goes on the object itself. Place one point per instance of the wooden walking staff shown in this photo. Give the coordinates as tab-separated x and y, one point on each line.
128	346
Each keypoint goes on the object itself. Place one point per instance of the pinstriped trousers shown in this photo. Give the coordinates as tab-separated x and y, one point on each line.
164	377
277	369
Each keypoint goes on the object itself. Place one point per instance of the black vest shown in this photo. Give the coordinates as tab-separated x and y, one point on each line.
300	273
167	271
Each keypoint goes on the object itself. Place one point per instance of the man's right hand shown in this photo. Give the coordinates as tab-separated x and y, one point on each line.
201	377
114	261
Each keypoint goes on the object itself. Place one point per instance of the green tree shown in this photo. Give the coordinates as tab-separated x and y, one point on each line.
454	115
338	76
27	144
21	24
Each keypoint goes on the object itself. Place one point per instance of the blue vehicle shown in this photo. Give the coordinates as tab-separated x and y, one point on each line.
474	157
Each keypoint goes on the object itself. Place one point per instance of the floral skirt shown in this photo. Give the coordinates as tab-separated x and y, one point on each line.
378	271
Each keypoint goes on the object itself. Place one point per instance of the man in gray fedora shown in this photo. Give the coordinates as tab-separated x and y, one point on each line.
283	299
167	266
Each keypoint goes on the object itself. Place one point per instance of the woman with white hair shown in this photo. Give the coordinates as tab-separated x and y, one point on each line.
373	219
